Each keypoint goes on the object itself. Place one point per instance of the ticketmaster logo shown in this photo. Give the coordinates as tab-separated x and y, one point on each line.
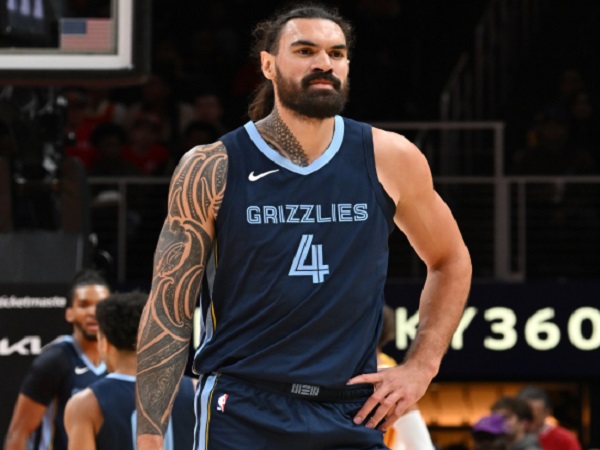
14	302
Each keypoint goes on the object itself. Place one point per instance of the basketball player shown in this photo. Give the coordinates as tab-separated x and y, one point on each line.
518	417
65	366
296	207
102	417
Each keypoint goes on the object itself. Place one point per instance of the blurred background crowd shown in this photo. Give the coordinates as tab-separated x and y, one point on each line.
202	75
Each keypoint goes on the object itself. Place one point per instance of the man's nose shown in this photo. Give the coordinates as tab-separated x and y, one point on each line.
322	62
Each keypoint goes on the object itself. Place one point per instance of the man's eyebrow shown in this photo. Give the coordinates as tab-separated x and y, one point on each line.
302	42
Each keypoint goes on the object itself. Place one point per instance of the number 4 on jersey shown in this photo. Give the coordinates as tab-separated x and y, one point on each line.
316	269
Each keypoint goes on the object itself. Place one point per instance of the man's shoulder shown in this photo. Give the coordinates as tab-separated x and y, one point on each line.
83	407
200	153
102	383
59	342
54	353
114	390
84	398
386	138
46	374
395	152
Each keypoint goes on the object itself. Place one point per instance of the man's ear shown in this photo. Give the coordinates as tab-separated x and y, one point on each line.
69	314
267	65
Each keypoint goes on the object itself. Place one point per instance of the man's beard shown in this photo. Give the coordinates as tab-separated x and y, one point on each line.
87	336
313	103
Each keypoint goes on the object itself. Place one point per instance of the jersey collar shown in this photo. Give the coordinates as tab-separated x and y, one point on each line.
98	370
280	160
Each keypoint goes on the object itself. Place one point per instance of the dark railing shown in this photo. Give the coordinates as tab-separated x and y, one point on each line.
516	227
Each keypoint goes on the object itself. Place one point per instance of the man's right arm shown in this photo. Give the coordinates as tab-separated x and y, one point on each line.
184	244
26	418
39	387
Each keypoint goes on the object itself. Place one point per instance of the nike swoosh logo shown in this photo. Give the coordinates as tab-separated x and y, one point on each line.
253	177
81	370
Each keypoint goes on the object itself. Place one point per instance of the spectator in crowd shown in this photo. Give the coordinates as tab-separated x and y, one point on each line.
517	417
555	208
159	103
489	433
102	108
207	107
548	151
109	141
551	436
79	126
87	107
145	149
65	366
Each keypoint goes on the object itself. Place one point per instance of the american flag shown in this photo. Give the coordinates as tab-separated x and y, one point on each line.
86	35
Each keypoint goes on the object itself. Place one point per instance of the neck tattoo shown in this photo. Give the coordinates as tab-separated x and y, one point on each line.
279	137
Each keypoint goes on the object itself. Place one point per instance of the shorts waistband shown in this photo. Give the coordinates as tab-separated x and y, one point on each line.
313	392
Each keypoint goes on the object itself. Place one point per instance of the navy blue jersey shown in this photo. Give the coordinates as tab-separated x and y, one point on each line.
301	260
116	397
59	372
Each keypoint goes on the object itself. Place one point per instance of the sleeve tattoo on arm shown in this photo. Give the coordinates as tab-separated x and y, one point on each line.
185	242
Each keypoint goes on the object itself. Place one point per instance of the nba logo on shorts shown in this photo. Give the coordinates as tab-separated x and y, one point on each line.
221	402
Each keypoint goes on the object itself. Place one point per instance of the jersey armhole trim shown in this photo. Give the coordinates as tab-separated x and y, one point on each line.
385	201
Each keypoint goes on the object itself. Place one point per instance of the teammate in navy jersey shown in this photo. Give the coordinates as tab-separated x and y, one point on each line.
102	417
289	219
65	366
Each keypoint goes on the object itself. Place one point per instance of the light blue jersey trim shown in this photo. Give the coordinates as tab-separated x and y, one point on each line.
280	160
121	376
207	329
204	418
98	370
46	429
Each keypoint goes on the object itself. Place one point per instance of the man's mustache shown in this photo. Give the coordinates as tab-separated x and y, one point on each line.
321	76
